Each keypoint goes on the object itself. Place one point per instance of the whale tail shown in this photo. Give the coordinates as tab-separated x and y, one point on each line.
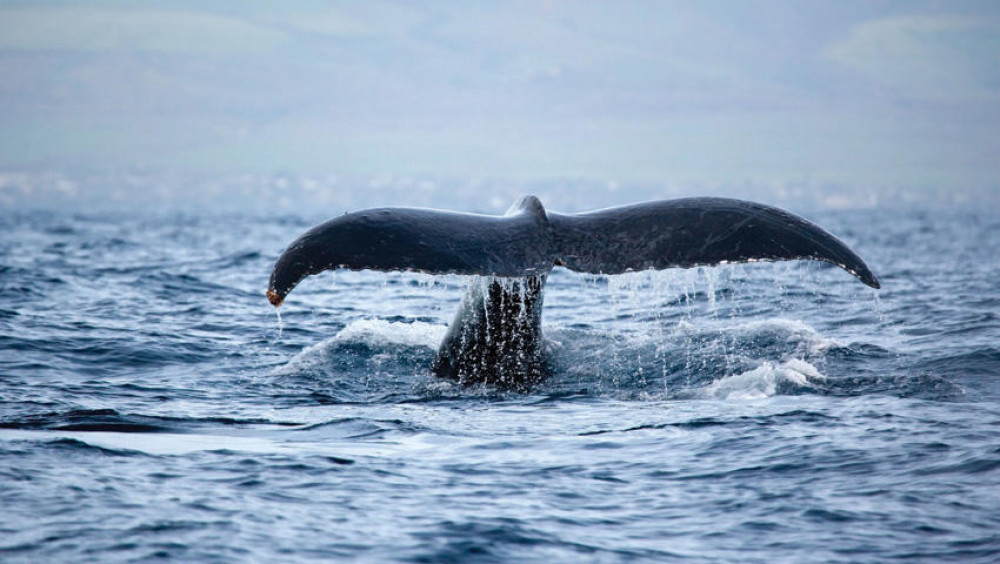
529	241
496	336
695	232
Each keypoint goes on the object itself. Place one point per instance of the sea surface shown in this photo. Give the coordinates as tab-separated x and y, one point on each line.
154	407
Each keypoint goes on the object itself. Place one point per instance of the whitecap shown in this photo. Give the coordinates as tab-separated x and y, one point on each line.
382	333
806	337
376	334
764	380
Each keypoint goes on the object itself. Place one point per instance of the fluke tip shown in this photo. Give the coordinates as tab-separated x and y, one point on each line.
274	298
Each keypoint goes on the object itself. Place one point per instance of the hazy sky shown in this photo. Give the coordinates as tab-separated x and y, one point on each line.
879	92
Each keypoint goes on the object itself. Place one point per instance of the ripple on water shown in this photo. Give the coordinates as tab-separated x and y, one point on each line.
152	406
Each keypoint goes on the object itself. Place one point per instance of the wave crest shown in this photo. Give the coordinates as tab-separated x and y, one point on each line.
765	381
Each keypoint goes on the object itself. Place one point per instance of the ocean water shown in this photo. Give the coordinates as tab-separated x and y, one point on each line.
153	406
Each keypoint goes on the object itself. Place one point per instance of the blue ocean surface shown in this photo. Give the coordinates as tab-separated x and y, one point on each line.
153	406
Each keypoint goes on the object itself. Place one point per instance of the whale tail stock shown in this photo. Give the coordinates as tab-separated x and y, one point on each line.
529	241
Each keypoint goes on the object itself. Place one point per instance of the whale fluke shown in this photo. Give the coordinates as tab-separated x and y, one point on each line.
496	336
694	232
419	240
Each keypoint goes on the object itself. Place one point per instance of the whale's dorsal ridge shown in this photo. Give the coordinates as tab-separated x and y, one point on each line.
529	205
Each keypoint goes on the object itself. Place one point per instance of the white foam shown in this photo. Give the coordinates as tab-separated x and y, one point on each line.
310	357
381	333
376	333
763	381
808	340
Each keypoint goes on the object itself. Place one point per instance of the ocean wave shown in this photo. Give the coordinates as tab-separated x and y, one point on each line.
379	333
382	360
765	381
110	420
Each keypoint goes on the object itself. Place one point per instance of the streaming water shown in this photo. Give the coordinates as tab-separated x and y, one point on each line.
152	406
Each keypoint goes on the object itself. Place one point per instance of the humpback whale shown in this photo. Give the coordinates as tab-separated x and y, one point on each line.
496	336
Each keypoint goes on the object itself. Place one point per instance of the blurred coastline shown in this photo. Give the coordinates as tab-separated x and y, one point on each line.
324	194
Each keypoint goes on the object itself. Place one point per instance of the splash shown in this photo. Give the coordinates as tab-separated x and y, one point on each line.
806	339
368	356
281	326
764	381
380	333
